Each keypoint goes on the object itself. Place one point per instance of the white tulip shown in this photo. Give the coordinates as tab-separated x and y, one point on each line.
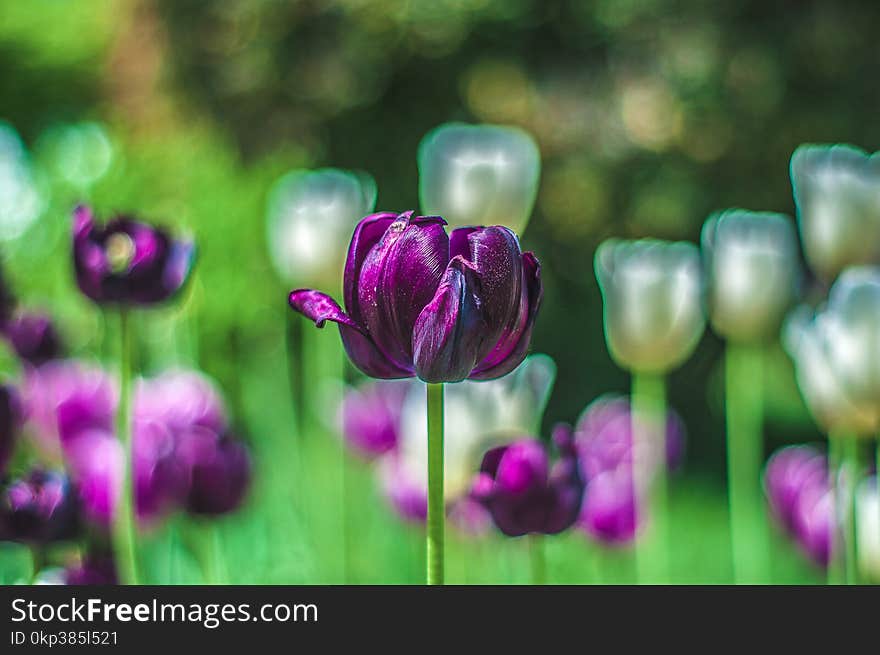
479	175
828	402
311	217
837	193
478	416
653	310
752	272
851	327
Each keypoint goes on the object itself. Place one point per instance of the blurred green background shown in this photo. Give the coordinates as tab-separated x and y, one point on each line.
649	115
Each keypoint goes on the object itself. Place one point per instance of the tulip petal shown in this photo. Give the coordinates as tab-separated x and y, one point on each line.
366	235
398	278
496	255
511	350
450	331
320	308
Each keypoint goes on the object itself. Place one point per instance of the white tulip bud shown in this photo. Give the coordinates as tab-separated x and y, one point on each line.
752	272
311	217
837	193
652	292
479	175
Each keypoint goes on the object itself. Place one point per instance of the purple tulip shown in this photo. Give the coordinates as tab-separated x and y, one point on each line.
38	508
126	262
421	302
371	416
96	568
220	473
789	472
524	494
63	398
180	454
33	337
10	415
814	522
95	460
609	509
604	436
181	400
799	493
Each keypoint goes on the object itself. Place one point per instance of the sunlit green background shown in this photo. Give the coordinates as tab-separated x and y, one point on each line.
649	115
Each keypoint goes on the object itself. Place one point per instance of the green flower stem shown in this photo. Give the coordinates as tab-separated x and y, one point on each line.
436	505
213	559
744	376
537	559
649	445
837	557
295	369
851	469
38	561
124	546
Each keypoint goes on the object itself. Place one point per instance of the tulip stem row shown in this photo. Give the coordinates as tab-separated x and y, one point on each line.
436	508
649	476
124	521
744	372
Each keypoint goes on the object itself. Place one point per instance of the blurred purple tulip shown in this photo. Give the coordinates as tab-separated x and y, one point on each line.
10	417
96	568
371	416
126	262
788	473
182	456
63	398
524	493
603	436
421	302
38	508
181	400
609	510
814	523
220	473
33	338
798	490
95	460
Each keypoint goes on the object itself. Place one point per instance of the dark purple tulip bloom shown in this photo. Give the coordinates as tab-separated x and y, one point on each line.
10	414
126	262
421	302
524	494
33	337
38	508
96	568
220	473
371	416
609	510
